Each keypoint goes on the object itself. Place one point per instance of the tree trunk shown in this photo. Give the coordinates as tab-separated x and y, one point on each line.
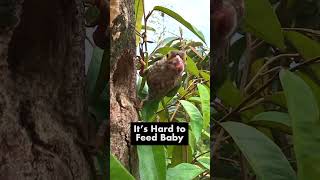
122	81
42	92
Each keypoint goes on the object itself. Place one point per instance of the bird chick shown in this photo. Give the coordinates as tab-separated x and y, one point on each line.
165	74
226	17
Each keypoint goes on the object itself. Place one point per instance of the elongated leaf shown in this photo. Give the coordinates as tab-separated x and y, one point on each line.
168	41
100	107
304	113
192	142
195	99
165	50
117	171
261	20
152	164
205	104
93	69
264	156
181	154
192	67
205	161
143	93
149	110
205	75
307	47
313	85
195	118
229	94
149	28
277	98
184	171
97	73
138	10
164	44
92	15
274	120
180	20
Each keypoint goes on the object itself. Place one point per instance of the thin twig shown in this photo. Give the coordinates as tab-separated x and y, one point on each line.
254	104
249	98
247	64
225	138
145	29
277	68
217	143
196	157
260	71
256	92
257	45
305	63
89	40
243	167
219	105
303	29
187	93
174	113
228	159
205	174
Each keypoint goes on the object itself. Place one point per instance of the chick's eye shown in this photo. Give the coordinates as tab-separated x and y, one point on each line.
167	55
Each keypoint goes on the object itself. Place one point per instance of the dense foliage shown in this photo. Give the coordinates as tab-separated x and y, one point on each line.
190	102
266	111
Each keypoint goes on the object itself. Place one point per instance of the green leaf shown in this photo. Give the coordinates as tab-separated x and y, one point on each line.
138	9
273	120
195	44
149	109
165	43
100	108
229	94
261	20
165	50
96	76
195	118
206	135
205	104
117	171
92	15
181	20
168	41
181	154
103	162
192	67
192	142
263	155
312	84
304	113
204	161
195	99
93	69
184	171
143	93
149	28
152	163
307	47
277	98
205	75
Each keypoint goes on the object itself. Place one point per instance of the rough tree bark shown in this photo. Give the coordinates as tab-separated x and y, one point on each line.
122	81
42	93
